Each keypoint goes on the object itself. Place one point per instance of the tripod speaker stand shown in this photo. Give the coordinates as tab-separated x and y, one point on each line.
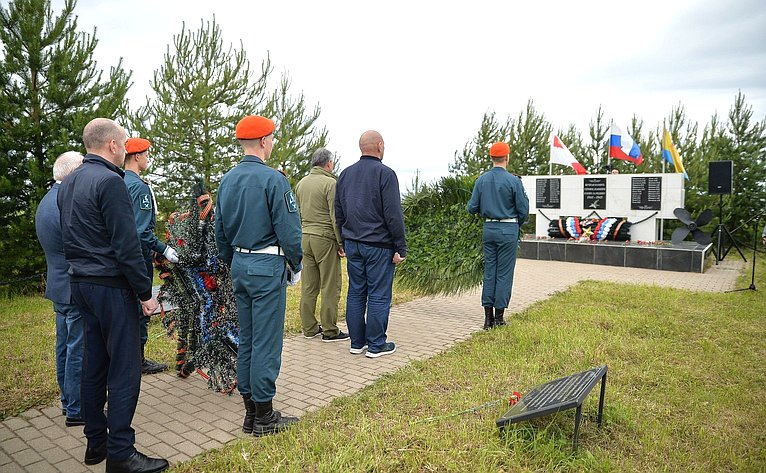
751	287
720	231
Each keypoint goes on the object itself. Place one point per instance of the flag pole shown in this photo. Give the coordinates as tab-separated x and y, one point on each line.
662	158
608	143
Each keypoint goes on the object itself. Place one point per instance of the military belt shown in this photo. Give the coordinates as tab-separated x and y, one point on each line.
504	220
269	250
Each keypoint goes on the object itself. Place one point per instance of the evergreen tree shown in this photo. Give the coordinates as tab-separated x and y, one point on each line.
297	135
202	90
528	139
597	146
474	159
50	89
747	150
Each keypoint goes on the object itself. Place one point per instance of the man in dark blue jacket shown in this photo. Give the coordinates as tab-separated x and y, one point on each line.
69	332
499	197
368	212
144	211
107	272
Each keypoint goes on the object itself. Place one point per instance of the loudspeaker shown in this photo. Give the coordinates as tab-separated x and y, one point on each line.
720	177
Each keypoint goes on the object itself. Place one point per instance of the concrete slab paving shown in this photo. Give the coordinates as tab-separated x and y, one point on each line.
38	441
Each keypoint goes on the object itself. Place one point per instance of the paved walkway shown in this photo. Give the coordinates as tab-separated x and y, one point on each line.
38	441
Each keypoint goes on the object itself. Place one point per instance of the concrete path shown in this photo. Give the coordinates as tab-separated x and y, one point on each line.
38	441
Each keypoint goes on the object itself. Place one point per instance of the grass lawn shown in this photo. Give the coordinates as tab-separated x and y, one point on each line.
686	391
28	342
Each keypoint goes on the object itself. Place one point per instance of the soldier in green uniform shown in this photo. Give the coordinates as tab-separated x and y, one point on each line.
322	249
144	211
258	232
498	196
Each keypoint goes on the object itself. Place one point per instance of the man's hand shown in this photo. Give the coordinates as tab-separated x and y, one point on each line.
398	259
171	254
150	306
293	277
342	252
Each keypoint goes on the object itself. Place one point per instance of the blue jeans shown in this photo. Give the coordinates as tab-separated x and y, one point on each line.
370	281
70	343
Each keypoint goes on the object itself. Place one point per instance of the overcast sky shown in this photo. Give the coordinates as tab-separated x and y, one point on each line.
424	72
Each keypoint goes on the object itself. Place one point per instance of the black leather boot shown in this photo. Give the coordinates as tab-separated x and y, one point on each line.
489	319
499	322
247	424
268	421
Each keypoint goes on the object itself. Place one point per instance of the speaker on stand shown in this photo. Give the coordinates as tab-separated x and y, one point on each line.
720	178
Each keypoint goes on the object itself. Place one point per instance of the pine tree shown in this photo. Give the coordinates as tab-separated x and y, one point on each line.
202	90
528	139
474	159
596	147
297	135
747	150
50	89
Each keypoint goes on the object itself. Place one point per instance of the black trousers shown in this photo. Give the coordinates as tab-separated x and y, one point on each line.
111	364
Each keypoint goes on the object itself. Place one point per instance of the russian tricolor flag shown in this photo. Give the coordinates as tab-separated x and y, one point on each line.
622	146
560	154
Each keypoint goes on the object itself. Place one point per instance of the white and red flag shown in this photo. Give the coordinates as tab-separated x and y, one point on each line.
560	154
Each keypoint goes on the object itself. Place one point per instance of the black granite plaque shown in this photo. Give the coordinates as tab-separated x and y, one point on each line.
560	394
548	193
645	192
553	396
594	193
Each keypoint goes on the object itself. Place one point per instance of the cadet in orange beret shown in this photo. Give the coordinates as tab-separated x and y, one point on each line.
258	231
498	196
144	211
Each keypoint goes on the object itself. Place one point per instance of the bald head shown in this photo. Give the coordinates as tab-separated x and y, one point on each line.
105	138
371	144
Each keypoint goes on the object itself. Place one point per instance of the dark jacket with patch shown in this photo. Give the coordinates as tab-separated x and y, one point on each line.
97	226
145	215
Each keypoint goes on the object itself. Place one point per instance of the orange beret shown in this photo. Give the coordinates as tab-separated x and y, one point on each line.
499	149
136	145
253	127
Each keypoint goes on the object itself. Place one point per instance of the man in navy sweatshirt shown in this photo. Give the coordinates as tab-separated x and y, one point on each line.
108	279
368	212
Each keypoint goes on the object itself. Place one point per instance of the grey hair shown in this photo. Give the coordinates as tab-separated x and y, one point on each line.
99	132
321	157
65	164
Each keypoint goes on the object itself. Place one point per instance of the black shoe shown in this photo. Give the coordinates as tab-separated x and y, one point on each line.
95	455
337	338
247	424
387	349
74	421
137	463
152	367
319	332
489	318
499	322
268	421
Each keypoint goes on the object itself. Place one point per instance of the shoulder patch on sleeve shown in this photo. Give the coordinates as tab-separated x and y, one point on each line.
145	201
292	205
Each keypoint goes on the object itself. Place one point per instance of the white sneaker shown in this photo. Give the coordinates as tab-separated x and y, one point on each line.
357	351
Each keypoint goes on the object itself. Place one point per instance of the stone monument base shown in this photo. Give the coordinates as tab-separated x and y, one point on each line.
687	257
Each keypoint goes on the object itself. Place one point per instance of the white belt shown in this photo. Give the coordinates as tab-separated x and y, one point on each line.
269	250
504	220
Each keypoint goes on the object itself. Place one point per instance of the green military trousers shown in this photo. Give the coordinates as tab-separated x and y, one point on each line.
320	275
